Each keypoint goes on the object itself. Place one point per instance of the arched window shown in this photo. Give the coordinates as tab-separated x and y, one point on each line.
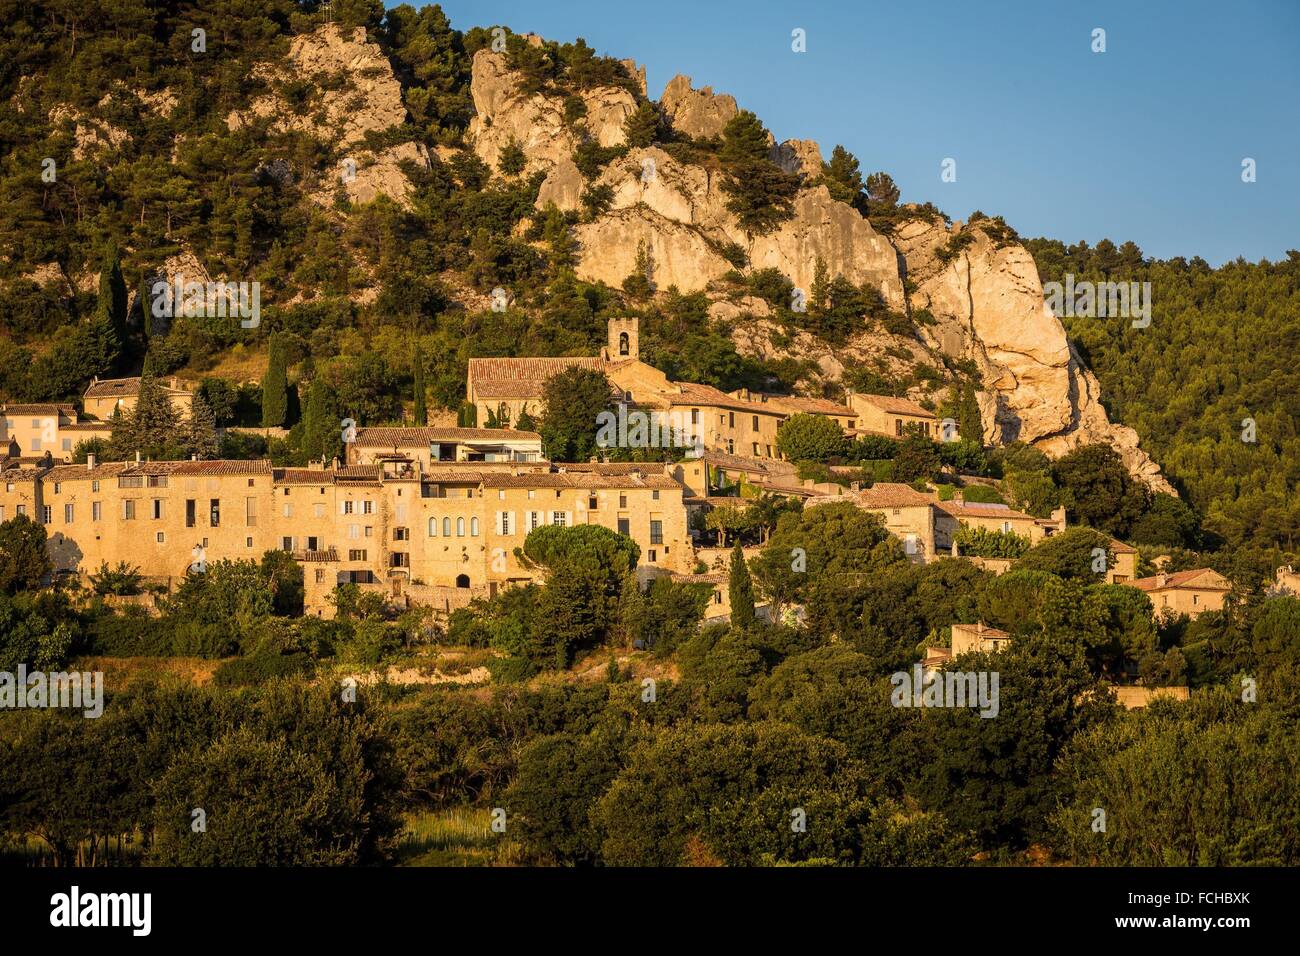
446	527
433	527
624	344
460	527
473	527
462	580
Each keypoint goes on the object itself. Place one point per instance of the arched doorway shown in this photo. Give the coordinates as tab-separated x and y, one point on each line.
462	580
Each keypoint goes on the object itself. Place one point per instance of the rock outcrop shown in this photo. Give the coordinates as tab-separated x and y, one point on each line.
698	113
504	114
988	307
359	95
980	289
799	157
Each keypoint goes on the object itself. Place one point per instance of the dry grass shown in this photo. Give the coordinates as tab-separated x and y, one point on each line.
459	837
122	672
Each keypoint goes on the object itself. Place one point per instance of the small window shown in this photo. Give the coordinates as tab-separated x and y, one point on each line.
460	527
160	537
473	527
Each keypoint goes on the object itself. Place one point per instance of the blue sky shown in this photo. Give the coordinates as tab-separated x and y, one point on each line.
1142	142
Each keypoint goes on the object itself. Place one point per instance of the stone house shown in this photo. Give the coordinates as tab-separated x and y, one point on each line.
1186	592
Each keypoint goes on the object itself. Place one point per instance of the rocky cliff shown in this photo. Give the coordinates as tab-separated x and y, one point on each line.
982	294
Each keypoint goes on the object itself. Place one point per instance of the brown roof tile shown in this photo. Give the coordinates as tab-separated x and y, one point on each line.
896	406
414	437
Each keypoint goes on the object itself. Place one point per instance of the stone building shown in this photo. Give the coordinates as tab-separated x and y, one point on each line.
105	397
33	430
402	527
1186	592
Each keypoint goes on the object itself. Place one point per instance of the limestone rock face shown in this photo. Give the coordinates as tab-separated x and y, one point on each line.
650	186
359	94
837	234
697	113
988	306
505	113
370	98
984	295
799	157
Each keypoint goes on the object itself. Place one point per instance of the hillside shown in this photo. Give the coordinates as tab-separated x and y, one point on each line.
381	176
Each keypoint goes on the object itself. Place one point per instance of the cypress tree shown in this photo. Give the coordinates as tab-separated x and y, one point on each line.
421	406
740	590
275	386
110	306
969	424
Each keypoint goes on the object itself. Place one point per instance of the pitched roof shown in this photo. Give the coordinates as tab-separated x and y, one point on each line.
522	377
812	406
1182	579
122	388
40	408
767	466
127	469
417	437
895	406
693	393
581	481
889	494
983	509
983	630
91	426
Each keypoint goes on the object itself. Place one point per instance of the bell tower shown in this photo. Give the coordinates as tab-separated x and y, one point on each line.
624	340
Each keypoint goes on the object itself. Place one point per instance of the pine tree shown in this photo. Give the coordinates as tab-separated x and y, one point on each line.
275	386
421	400
744	138
882	192
843	177
820	286
152	427
643	127
202	431
740	590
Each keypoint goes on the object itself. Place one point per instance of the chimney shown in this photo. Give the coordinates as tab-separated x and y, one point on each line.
137	456
958	497
194	457
90	461
1162	579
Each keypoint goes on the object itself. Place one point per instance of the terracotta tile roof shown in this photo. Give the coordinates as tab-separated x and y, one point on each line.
983	630
693	393
1119	547
302	476
811	406
980	509
1180	579
611	467
122	388
888	494
91	426
358	473
41	408
126	469
581	481
417	437
521	377
768	466
895	406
